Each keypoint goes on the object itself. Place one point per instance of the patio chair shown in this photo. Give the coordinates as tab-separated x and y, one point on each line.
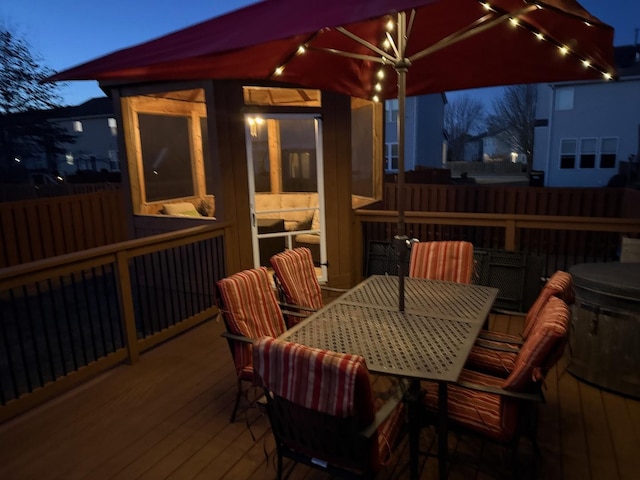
322	411
495	352
500	409
443	260
296	279
250	310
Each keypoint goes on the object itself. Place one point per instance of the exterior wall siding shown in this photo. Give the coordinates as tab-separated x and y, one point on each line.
600	110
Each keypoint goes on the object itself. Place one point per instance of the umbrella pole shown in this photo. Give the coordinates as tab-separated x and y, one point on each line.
401	241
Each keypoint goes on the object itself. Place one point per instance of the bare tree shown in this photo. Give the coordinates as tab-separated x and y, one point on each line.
23	96
463	117
514	117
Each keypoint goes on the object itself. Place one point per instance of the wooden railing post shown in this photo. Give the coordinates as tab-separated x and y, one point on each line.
125	299
510	235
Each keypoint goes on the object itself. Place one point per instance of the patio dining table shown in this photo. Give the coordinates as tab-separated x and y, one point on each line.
429	340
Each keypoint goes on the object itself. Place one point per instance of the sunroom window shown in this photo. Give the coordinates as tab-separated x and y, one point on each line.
169	160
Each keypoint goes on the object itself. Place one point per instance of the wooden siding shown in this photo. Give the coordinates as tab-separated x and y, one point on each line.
167	418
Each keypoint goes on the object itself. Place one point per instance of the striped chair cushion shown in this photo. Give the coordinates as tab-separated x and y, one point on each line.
294	268
487	413
251	309
446	260
333	383
560	285
542	347
495	362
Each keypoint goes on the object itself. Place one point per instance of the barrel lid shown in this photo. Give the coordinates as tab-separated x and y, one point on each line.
615	278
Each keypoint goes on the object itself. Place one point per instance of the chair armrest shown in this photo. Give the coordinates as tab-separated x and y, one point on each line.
530	397
491	345
237	338
334	289
484	335
515	313
296	307
381	415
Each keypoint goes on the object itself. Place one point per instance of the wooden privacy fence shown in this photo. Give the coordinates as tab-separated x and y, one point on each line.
66	319
15	192
43	228
574	202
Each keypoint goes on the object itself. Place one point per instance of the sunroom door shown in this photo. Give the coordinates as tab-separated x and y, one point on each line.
286	186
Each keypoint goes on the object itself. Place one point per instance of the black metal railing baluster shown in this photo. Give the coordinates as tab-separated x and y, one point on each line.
21	345
56	326
45	331
9	358
76	301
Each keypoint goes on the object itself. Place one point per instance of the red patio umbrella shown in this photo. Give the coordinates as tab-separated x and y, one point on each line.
377	49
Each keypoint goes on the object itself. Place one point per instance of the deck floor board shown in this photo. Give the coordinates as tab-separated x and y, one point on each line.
167	417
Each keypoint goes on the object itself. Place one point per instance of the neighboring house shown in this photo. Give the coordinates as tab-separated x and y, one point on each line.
424	123
95	148
490	146
96	137
586	131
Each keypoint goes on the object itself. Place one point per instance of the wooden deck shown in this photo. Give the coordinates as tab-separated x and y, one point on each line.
167	418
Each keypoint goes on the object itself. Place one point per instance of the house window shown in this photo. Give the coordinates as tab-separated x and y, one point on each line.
608	151
391	110
114	162
564	98
77	126
113	126
69	158
392	156
588	147
568	153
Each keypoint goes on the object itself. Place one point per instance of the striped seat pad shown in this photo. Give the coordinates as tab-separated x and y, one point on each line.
495	362
542	347
333	383
445	260
490	414
294	268
251	309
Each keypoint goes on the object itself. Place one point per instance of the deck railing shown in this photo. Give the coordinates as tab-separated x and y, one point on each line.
65	319
562	241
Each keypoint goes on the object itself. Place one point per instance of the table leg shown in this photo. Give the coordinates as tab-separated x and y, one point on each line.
413	399
443	444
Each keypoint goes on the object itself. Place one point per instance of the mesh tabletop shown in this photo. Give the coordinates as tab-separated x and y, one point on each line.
392	342
429	342
441	299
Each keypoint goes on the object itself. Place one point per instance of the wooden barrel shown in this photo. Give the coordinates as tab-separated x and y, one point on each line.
605	335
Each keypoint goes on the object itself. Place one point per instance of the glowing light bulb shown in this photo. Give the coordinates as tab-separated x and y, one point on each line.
607	76
514	22
486	5
563	50
540	36
390	26
586	63
386	44
380	74
301	50
378	87
278	71
376	98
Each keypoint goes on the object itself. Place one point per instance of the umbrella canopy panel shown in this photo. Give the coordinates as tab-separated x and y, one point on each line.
338	46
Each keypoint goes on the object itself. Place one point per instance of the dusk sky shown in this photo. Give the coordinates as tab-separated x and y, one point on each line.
66	33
